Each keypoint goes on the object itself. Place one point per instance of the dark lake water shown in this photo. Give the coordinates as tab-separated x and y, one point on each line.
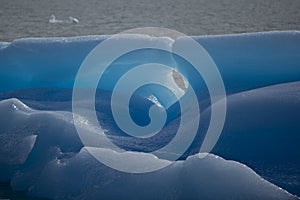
30	18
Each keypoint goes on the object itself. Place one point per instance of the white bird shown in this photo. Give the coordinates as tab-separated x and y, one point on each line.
68	21
54	20
73	20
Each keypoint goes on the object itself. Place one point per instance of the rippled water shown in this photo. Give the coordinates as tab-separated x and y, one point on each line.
19	18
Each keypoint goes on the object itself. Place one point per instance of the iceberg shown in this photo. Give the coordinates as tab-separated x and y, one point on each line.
256	157
251	60
265	118
58	160
245	61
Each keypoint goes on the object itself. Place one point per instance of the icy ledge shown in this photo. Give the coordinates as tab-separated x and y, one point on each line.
56	166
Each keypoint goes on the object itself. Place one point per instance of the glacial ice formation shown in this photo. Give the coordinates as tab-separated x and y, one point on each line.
42	154
59	167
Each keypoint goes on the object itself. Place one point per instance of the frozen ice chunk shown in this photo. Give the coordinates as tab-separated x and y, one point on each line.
210	178
14	149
